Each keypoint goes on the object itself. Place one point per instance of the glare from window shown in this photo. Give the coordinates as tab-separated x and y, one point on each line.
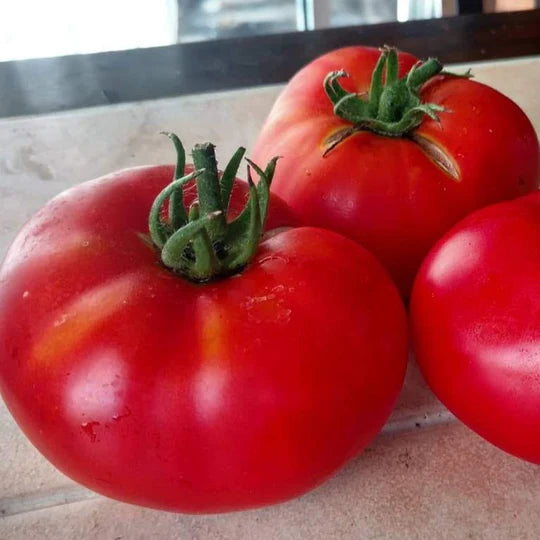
408	10
48	28
43	28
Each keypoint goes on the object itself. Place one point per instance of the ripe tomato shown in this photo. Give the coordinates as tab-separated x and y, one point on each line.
475	313
206	397
395	194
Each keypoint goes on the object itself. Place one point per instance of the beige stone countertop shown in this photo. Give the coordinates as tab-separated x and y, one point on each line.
425	476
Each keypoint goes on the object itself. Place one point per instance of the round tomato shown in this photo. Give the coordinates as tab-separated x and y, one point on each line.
393	167
475	313
197	397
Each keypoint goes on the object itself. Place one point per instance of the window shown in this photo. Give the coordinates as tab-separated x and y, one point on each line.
41	28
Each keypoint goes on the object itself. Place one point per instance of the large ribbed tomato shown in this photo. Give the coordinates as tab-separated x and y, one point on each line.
475	314
398	179
200	397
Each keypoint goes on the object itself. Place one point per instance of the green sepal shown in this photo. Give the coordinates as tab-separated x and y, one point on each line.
160	231
244	232
263	186
228	176
177	212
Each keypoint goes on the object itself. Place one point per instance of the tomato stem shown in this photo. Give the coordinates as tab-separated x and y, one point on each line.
392	108
208	187
200	244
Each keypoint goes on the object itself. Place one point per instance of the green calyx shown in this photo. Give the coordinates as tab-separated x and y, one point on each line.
199	243
392	108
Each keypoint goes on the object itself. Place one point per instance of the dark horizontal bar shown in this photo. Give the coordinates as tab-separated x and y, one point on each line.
55	84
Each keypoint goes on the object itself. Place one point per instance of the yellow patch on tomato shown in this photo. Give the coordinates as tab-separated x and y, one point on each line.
212	330
213	374
74	323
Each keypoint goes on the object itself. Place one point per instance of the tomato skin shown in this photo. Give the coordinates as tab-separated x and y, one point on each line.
475	319
196	398
384	192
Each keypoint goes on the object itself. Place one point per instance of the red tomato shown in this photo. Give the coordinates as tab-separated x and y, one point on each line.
387	193
193	397
475	313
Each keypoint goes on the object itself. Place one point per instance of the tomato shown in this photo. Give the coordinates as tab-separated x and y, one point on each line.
195	397
475	316
397	194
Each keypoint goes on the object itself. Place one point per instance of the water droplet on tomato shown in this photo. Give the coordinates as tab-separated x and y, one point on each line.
125	414
273	258
254	300
25	294
89	429
284	316
61	320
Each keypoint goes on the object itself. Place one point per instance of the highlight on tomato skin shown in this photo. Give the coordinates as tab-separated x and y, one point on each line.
167	381
475	322
391	152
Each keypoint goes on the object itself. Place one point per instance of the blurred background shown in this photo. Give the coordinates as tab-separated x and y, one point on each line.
38	28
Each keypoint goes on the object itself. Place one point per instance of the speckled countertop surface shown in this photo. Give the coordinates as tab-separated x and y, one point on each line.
425	476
